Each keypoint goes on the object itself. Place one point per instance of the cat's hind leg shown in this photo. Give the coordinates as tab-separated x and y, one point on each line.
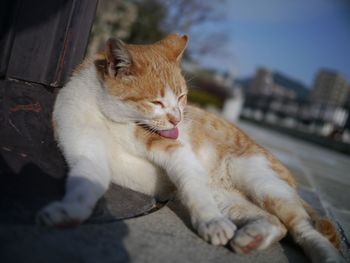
88	179
257	229
258	179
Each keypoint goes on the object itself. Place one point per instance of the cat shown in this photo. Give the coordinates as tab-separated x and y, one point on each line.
123	118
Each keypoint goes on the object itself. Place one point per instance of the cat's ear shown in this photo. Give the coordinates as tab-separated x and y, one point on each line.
175	46
118	57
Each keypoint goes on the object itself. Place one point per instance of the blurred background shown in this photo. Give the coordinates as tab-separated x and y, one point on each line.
281	64
275	67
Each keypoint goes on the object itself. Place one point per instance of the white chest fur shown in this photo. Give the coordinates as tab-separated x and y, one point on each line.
83	131
129	166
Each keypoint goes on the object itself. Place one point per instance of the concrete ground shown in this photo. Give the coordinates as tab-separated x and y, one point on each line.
166	236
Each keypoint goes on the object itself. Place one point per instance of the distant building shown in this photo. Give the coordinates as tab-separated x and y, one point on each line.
262	82
347	101
329	88
283	92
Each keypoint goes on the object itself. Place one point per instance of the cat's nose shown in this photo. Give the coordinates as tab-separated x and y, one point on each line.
173	120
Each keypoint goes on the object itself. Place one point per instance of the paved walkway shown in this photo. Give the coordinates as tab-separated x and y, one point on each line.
166	235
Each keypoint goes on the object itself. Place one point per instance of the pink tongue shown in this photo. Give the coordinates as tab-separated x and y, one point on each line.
171	134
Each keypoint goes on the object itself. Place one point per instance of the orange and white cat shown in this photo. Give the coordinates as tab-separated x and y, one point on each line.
123	118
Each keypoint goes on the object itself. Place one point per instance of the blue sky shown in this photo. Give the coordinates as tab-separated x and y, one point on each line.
296	37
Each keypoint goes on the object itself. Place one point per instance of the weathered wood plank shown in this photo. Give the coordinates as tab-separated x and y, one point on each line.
76	39
7	20
50	39
37	44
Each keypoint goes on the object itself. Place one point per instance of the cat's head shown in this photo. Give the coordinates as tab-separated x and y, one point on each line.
144	84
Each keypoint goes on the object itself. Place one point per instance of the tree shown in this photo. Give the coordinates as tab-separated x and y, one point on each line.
147	21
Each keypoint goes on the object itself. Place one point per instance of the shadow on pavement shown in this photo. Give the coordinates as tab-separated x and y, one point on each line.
22	194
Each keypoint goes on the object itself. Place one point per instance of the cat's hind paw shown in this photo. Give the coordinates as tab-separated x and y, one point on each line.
60	214
217	231
256	235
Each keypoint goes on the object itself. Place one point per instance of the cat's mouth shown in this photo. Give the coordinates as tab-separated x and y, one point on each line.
171	134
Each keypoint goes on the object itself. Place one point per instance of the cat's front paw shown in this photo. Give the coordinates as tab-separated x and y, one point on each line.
63	214
217	231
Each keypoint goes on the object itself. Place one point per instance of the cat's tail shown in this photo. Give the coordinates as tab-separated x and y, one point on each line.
323	225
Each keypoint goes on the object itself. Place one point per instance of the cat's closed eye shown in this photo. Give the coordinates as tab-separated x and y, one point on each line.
158	103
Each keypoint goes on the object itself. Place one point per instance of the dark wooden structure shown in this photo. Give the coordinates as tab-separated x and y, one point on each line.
41	42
